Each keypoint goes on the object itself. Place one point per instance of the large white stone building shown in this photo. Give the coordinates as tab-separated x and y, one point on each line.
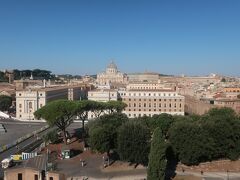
28	101
111	75
142	102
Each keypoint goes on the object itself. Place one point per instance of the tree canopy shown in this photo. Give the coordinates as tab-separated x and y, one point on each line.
134	142
157	157
5	102
103	131
59	113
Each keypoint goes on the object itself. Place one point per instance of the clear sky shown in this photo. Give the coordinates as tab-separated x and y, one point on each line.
194	37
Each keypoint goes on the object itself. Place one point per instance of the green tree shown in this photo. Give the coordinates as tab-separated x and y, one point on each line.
51	137
223	80
103	131
157	158
115	106
98	108
191	143
101	138
3	78
134	143
5	102
59	113
163	121
81	110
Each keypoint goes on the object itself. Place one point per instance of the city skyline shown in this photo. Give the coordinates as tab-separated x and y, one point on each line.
81	37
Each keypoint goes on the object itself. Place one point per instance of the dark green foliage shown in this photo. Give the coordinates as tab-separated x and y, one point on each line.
115	106
101	138
157	157
163	121
37	73
51	137
133	142
212	136
5	102
191	143
223	80
3	78
103	131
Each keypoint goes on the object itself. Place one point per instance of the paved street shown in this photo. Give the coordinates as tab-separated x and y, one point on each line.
17	129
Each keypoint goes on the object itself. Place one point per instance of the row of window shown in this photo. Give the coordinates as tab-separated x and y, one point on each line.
154	105
159	110
30	105
124	99
139	115
151	94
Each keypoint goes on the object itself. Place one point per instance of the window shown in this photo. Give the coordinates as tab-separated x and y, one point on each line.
134	104
30	105
20	94
20	105
35	177
51	178
19	176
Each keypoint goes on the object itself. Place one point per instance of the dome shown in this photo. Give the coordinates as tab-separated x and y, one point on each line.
112	65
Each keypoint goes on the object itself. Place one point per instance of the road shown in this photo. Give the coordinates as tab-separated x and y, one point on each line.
14	150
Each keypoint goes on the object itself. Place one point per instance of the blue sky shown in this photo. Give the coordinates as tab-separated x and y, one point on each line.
193	37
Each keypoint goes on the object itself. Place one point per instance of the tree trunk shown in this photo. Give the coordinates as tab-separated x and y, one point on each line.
64	136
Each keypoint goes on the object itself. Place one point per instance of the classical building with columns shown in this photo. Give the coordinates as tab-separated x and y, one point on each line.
111	75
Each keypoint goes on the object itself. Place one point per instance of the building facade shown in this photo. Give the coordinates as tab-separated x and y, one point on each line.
111	75
150	102
29	101
150	86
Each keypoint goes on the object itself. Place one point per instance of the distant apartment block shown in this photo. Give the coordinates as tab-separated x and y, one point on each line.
142	102
150	102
